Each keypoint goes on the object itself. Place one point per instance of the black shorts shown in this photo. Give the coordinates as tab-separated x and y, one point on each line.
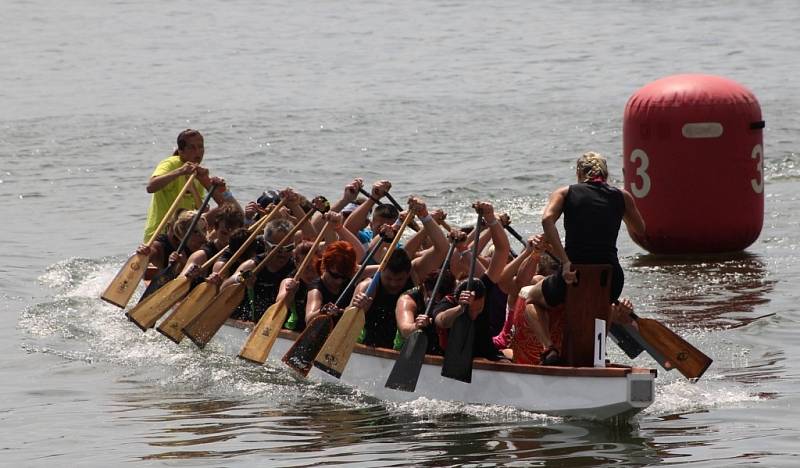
554	289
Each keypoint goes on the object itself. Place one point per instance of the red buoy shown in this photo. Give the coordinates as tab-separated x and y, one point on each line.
694	162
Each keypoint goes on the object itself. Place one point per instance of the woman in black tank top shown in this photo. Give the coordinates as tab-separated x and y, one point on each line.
593	212
336	267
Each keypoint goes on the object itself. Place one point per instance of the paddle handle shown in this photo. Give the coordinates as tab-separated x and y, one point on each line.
212	260
516	235
354	279
472	262
474	258
256	231
414	225
369	195
310	253
396	239
195	219
438	284
394	202
171	210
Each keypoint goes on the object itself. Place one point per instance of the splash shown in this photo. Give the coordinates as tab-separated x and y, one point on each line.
430	409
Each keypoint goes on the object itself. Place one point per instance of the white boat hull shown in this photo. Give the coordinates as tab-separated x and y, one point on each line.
584	392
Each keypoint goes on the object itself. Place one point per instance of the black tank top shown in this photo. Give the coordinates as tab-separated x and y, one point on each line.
330	297
592	216
267	286
296	319
210	249
381	325
430	331
166	248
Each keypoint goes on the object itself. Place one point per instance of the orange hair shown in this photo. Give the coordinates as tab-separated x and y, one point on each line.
339	255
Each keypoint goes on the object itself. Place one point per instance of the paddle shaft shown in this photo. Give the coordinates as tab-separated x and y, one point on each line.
516	235
414	225
473	260
195	219
340	300
171	211
369	195
459	352
438	284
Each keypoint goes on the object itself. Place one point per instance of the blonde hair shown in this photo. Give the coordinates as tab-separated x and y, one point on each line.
182	222
591	166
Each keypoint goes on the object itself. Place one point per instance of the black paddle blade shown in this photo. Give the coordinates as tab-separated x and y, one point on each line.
458	355
162	277
300	356
625	341
405	372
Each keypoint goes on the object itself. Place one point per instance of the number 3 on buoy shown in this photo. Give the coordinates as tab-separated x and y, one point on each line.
641	171
758	154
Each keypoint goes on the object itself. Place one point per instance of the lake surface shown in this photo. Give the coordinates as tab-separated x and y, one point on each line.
452	101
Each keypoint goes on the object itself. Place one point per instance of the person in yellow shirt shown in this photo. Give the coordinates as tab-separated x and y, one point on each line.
171	175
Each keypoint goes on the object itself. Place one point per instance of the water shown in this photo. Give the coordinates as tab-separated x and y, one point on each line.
452	101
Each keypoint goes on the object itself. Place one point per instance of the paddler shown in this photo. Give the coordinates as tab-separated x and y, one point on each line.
171	174
593	212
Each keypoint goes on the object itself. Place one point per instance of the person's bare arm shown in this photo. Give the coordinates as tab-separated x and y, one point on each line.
446	318
404	313
348	196
313	304
157	183
358	218
342	233
499	239
431	258
506	282
633	219
553	211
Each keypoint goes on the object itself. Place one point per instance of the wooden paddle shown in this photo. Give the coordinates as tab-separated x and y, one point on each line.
678	353
205	325
336	351
461	338
204	293
262	337
147	312
121	288
168	273
406	369
300	356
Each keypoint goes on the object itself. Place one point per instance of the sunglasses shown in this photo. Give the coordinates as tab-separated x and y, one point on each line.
336	275
286	248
